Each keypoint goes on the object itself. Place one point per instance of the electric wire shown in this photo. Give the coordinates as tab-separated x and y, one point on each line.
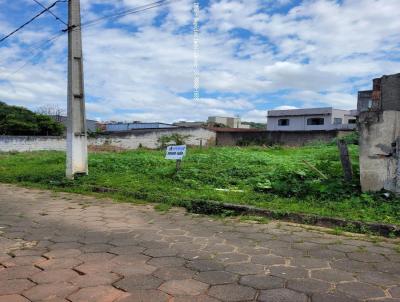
120	14
50	12
30	21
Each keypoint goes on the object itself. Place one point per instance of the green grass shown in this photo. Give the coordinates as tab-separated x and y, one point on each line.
275	178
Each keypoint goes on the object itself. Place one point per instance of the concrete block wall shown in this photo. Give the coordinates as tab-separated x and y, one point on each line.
287	138
128	140
32	143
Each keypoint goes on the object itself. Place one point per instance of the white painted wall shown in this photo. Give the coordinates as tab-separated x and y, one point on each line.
147	139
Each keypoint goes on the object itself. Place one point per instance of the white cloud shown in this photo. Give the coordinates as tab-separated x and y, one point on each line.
317	53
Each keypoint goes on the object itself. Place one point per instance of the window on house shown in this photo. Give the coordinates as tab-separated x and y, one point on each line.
315	121
352	121
337	121
283	122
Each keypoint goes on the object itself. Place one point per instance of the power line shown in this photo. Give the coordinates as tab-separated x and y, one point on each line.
50	12
43	45
30	21
39	50
123	13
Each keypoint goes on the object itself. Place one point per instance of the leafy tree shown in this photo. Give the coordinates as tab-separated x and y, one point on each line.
16	120
176	138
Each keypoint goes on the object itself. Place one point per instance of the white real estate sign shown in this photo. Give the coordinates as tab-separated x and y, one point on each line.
175	152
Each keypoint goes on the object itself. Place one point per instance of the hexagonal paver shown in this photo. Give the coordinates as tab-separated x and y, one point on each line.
133	269
64	253
267	259
18	272
131	259
54	276
96	257
360	290
246	268
138	282
127	250
262	281
309	263
395	292
187	287
23	260
59	263
97	294
166	262
160	252
281	295
205	265
352	266
16	286
43	292
13	298
232	292
95	279
146	296
288	272
378	278
200	298
332	275
174	273
229	258
308	285
216	277
366	257
337	297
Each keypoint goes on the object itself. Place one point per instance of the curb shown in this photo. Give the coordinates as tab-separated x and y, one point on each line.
214	207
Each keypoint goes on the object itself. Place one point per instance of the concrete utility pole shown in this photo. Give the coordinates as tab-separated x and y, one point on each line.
77	154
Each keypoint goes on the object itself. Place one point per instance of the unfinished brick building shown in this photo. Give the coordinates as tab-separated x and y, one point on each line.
379	126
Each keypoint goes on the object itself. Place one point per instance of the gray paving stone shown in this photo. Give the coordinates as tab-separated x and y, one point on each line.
246	268
288	272
332	275
360	290
281	295
232	292
395	291
325	297
366	257
262	281
378	278
138	282
205	265
309	263
166	261
309	286
267	259
174	273
216	277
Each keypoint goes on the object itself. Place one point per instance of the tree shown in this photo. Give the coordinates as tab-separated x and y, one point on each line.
51	110
16	120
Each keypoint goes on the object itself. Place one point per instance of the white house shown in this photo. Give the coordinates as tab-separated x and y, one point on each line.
311	119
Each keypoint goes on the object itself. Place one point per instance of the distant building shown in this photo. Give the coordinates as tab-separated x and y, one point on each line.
91	125
229	122
311	119
119	127
189	124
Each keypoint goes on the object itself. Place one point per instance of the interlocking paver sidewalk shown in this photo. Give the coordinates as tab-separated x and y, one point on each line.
66	247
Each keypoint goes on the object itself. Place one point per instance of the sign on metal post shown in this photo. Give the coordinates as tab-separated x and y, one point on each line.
176	153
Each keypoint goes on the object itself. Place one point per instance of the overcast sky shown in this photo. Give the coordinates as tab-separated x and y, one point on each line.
255	55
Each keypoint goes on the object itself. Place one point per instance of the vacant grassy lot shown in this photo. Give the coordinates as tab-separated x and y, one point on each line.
275	178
